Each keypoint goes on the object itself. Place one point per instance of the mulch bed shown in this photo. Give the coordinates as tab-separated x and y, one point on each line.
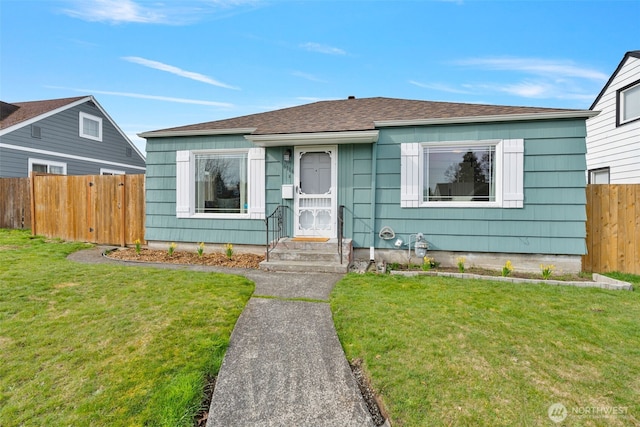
181	257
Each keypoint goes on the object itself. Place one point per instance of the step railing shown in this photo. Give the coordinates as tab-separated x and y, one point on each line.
276	228
340	229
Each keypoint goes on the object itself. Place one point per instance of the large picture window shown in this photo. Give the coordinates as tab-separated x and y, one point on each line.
459	173
462	174
221	183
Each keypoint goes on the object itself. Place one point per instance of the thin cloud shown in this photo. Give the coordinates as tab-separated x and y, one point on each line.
142	12
177	71
116	11
536	66
321	48
153	97
307	76
529	89
535	78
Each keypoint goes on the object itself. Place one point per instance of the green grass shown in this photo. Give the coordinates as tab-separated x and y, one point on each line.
634	279
452	352
102	345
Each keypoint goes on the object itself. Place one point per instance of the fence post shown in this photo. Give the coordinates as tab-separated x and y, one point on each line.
32	179
122	207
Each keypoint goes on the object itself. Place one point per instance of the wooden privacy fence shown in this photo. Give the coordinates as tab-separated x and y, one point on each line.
101	209
15	203
613	228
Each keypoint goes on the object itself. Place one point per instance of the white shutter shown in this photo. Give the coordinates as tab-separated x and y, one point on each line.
410	175
256	179
513	173
185	205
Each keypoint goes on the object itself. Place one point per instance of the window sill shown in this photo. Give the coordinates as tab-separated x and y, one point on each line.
219	216
461	205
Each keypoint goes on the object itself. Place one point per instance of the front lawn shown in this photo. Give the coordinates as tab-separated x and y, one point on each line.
444	351
101	345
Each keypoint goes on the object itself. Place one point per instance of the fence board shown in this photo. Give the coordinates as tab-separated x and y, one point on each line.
91	208
613	228
15	203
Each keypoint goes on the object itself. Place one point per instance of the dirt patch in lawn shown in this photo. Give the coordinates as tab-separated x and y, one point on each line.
181	257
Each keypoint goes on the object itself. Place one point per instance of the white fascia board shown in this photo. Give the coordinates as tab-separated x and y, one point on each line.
573	114
318	138
44	115
200	132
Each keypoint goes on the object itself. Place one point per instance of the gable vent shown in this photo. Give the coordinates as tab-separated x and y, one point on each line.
129	152
36	131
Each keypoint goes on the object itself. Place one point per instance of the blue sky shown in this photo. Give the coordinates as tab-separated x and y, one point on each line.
159	64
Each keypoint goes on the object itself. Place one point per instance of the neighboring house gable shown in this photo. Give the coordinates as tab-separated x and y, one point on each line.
472	178
71	136
613	136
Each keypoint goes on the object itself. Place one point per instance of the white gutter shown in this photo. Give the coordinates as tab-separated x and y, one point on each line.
316	138
198	132
572	114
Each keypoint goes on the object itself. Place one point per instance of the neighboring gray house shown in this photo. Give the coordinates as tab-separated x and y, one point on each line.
491	183
613	136
69	136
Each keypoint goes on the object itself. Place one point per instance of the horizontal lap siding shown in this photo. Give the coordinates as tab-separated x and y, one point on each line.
60	134
609	145
552	220
161	222
354	180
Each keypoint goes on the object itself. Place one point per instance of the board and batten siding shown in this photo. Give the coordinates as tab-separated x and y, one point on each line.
162	224
608	145
60	142
551	221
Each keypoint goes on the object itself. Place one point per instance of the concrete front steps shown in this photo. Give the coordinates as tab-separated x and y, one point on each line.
307	256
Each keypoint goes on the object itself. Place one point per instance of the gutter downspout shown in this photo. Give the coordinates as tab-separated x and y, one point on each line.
374	173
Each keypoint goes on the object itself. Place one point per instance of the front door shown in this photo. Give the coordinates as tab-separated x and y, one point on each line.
315	191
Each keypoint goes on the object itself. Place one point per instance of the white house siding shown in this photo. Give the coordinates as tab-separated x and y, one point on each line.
615	147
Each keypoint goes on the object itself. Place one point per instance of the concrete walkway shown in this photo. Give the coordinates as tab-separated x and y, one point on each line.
284	365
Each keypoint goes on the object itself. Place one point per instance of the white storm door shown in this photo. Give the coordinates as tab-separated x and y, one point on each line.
315	191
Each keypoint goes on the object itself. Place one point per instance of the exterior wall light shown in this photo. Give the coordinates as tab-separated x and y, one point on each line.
420	246
287	155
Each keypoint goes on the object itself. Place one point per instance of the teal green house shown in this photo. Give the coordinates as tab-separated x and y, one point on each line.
490	183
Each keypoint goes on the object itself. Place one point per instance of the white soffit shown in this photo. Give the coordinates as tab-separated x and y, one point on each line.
199	132
318	138
570	114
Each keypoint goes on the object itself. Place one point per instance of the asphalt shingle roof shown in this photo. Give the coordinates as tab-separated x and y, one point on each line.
354	114
17	112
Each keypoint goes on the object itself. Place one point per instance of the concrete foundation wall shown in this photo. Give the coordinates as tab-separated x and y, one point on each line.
495	261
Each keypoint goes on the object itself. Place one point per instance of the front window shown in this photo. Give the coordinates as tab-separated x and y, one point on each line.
459	173
90	127
221	182
629	104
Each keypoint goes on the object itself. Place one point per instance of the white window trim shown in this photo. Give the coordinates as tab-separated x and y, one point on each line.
82	134
509	174
185	184
111	171
621	99
48	163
